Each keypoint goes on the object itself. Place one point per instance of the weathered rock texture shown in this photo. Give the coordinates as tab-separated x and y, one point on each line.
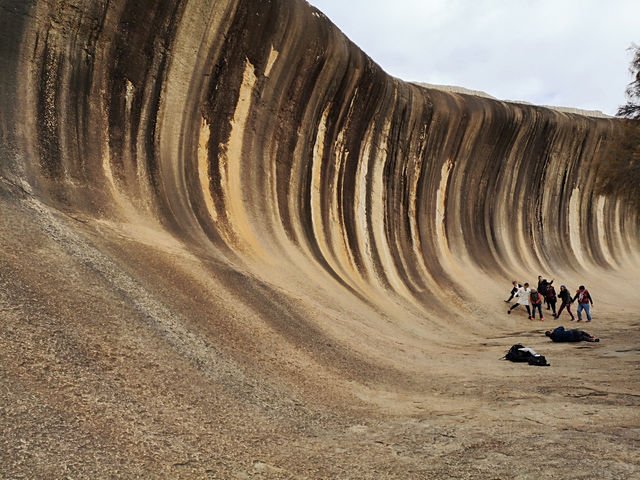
232	245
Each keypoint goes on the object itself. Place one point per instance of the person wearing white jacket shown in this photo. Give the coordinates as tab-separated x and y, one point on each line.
523	299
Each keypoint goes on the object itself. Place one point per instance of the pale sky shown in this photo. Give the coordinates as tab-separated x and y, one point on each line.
569	53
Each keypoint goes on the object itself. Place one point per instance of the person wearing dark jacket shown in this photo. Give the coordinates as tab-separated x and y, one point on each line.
542	288
565	296
584	299
513	291
574	335
551	298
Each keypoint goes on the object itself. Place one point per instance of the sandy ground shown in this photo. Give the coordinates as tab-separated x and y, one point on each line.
114	363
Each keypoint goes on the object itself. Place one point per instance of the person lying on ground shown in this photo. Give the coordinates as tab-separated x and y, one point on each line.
574	335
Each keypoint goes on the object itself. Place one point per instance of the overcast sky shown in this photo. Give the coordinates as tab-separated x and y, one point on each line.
570	53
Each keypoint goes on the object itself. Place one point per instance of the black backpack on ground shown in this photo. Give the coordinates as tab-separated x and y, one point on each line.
516	355
539	360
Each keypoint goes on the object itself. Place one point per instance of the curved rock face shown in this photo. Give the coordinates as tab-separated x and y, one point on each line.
259	126
243	182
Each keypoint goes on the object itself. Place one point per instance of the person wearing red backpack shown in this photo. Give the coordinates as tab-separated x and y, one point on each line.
584	302
535	299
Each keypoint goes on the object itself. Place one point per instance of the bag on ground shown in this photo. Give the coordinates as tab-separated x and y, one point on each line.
520	353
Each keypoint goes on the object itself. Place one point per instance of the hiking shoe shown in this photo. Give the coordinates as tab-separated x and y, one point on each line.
597	340
579	319
542	319
507	301
509	312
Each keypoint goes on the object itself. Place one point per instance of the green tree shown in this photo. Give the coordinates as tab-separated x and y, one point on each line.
632	108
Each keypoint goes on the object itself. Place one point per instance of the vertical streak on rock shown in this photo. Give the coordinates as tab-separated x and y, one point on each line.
340	183
441	211
378	195
317	195
422	207
382	212
363	207
196	49
128	125
15	26
232	163
517	195
47	114
273	56
612	219
326	207
203	167
575	224
601	226
415	267
626	228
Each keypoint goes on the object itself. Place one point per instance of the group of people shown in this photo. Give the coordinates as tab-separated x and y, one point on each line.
532	299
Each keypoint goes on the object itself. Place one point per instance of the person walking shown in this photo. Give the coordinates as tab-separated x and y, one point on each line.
536	303
585	302
513	291
523	299
565	296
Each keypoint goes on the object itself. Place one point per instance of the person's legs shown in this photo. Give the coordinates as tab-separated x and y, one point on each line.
587	308
569	311
515	305
585	337
528	310
538	307
560	310
579	312
552	302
